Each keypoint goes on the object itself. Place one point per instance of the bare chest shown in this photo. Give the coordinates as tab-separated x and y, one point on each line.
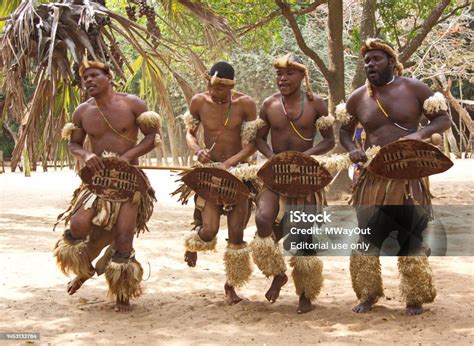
216	117
280	119
389	107
117	118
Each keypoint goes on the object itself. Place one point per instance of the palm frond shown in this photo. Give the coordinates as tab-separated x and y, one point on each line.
45	43
209	17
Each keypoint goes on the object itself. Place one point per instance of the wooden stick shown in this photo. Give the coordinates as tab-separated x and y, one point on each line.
166	168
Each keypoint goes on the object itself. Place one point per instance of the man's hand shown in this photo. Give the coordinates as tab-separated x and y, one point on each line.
126	158
358	155
269	155
94	162
203	156
224	166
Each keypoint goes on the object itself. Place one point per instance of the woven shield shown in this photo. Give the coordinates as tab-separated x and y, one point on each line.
216	185
118	182
409	159
294	174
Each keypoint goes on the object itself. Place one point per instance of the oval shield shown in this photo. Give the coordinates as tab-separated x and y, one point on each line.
118	182
409	159
216	185
294	174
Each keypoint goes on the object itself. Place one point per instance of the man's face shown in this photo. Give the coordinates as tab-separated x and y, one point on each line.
96	81
378	67
288	80
219	93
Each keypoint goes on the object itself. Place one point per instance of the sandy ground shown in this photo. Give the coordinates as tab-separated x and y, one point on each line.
184	305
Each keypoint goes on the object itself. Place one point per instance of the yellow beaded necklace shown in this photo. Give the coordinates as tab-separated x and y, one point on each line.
299	116
113	128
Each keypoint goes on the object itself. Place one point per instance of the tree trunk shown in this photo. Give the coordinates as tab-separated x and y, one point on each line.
159	155
19	146
336	54
164	148
463	114
174	151
27	162
30	146
367	30
336	86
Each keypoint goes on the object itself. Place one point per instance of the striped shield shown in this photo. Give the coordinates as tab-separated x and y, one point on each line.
216	185
294	174
409	159
118	182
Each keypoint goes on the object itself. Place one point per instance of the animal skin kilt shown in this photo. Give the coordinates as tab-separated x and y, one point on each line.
387	205
307	268
74	256
236	256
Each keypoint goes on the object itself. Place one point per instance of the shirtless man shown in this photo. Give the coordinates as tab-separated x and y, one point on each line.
390	107
293	118
111	120
223	114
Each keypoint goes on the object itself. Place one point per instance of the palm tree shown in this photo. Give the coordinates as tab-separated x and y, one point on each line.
43	44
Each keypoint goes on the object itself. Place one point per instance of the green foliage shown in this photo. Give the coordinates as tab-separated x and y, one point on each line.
252	53
245	13
400	19
355	39
6	145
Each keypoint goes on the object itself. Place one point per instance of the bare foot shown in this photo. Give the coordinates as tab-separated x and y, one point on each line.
304	305
190	258
274	291
414	310
75	284
231	296
122	306
365	306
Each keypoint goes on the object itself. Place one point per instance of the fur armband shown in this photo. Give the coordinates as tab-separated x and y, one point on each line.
149	120
324	122
342	115
249	130
190	122
435	103
66	132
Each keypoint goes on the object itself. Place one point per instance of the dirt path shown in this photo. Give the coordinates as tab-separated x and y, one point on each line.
186	306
